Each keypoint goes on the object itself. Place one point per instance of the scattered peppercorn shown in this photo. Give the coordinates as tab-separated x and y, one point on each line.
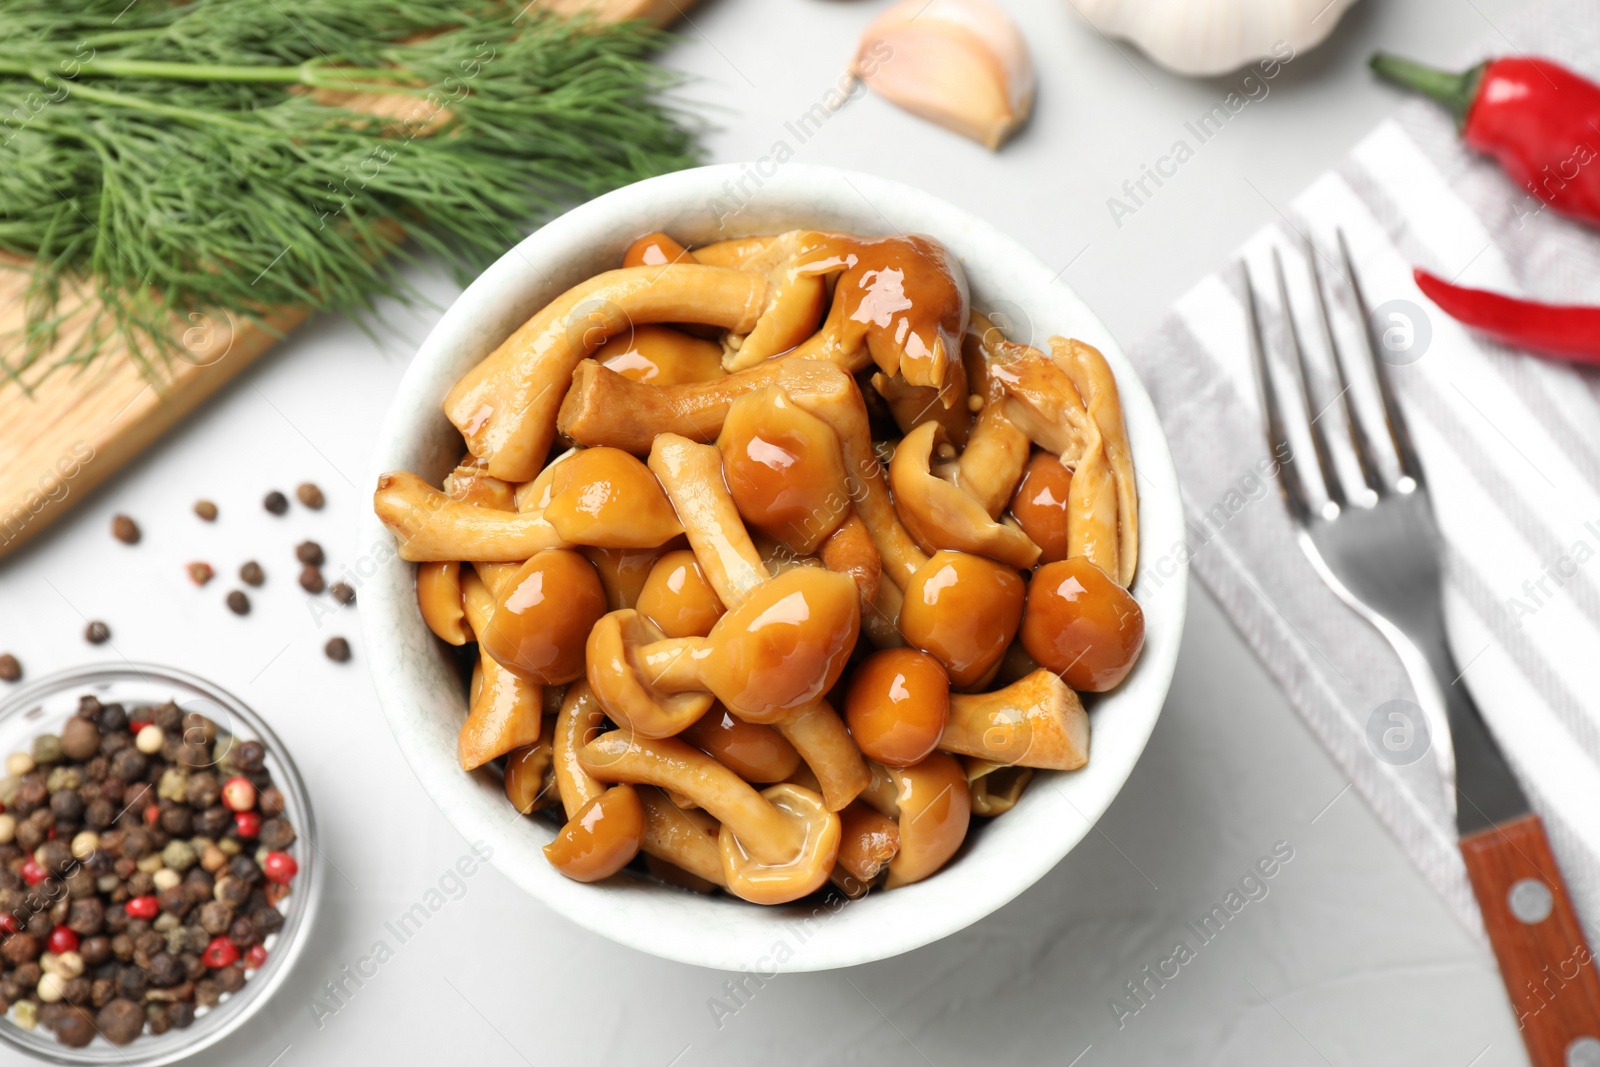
252	574
238	603
125	530
309	552
276	502
97	633
311	579
10	668
200	573
206	510
343	592
338	649
309	495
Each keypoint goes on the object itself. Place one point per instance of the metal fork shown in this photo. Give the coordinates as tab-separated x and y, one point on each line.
1379	551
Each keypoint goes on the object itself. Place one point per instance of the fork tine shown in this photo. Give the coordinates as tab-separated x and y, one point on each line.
1319	440
1366	459
1394	419
1294	493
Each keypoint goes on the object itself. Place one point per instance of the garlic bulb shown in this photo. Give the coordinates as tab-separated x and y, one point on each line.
960	63
1205	37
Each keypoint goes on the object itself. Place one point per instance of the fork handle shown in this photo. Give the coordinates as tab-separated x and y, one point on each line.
1545	960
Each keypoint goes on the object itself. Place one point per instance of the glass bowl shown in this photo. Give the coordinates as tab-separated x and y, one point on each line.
43	707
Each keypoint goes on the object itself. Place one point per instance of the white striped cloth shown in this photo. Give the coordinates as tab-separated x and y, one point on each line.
1510	445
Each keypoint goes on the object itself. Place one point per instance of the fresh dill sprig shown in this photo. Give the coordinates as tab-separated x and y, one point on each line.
175	157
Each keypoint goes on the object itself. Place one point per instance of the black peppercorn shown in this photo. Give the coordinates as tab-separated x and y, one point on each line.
311	579
238	603
252	574
309	552
122	1020
309	495
343	592
206	510
113	717
337	649
97	633
124	529
249	756
10	668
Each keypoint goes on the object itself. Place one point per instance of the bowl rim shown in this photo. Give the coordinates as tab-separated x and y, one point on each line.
298	921
695	190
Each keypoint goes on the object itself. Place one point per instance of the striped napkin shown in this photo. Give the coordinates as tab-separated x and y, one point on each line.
1510	445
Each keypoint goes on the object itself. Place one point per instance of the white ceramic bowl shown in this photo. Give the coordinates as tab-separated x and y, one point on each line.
422	694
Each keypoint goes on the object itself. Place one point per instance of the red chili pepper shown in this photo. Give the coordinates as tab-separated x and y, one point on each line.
220	953
1568	332
142	907
1539	119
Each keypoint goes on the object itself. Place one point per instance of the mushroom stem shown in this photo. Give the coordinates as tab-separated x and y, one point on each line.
507	710
505	407
672	836
819	735
670	664
578	721
849	551
765	833
1037	722
1040	399
992	463
431	526
692	476
941	516
1092	376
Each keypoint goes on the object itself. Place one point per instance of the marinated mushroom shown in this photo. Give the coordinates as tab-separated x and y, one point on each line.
660	355
754	751
941	516
992	460
777	845
932	809
506	709
897	705
686	847
1037	722
623	571
606	498
677	598
431	526
868	841
784	469
995	788
505	407
1082	625
795	300
439	597
601	838
963	610
656	250
529	778
1040	505
849	551
542	617
1091	376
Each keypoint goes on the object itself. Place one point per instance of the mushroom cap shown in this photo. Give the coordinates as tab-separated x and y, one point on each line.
784	469
602	838
607	498
764	883
1082	625
656	250
439	597
785	646
542	616
897	704
754	751
868	841
940	516
963	610
935	809
660	355
1040	505
677	598
618	684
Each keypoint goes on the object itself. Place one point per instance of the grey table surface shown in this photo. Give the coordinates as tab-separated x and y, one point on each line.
1349	959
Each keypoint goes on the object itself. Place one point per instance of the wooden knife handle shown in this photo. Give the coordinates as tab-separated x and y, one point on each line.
1544	958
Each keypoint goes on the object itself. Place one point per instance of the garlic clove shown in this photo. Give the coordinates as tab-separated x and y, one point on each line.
960	63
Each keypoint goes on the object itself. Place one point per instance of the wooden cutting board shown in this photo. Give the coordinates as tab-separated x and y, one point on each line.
74	429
